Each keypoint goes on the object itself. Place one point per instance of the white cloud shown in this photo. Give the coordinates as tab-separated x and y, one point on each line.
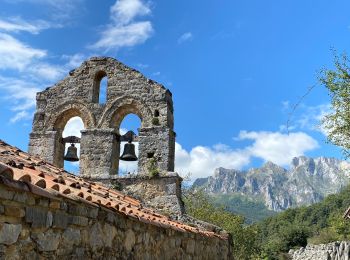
33	70
123	31
201	161
312	116
20	95
75	60
185	37
46	71
73	127
16	24
277	147
115	37
142	66
125	11
20	115
305	117
17	55
59	10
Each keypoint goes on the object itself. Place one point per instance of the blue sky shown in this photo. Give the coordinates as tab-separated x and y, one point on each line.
235	68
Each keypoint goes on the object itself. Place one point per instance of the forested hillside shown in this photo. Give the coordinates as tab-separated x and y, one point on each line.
272	238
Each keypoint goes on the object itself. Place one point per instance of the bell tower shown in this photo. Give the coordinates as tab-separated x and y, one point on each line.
128	91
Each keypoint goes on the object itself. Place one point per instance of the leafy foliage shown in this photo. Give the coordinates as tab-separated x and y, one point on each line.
274	237
318	223
152	168
337	123
200	206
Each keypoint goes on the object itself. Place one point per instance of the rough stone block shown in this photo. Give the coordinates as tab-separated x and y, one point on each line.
60	220
71	237
171	189
9	233
14	211
20	197
96	241
54	204
129	240
78	221
38	217
42	202
78	210
47	241
6	194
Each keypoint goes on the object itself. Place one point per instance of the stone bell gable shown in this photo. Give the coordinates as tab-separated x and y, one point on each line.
128	91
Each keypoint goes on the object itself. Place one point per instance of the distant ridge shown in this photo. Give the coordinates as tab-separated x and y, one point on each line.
307	181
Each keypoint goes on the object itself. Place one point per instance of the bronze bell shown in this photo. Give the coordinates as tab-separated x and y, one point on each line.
72	154
129	152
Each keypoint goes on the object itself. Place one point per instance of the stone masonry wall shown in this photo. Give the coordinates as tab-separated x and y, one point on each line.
162	193
36	227
332	251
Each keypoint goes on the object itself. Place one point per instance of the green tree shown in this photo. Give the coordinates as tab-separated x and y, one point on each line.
199	205
337	122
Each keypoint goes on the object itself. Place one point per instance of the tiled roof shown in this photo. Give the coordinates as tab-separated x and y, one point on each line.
20	170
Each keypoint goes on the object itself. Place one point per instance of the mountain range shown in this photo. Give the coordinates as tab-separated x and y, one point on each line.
272	188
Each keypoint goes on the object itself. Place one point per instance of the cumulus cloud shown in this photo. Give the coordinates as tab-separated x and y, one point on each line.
185	37
268	146
125	11
277	147
201	161
34	73
124	31
115	37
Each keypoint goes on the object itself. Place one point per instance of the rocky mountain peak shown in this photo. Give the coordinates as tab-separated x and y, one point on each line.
307	181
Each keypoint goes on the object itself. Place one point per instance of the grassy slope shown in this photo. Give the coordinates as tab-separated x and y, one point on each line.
252	209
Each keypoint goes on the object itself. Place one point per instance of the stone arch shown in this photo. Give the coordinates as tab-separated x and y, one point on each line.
68	110
119	108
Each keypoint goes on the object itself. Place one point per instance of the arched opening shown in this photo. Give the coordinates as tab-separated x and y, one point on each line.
72	128
130	122
99	93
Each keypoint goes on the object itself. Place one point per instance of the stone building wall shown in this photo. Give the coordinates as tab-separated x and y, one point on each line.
339	250
50	227
128	91
162	193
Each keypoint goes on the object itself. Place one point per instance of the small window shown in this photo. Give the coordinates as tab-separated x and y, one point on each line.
103	91
156	113
150	155
100	84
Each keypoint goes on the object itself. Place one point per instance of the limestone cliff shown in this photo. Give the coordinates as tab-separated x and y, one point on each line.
307	181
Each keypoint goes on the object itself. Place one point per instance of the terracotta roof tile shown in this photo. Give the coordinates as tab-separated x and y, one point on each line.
42	178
